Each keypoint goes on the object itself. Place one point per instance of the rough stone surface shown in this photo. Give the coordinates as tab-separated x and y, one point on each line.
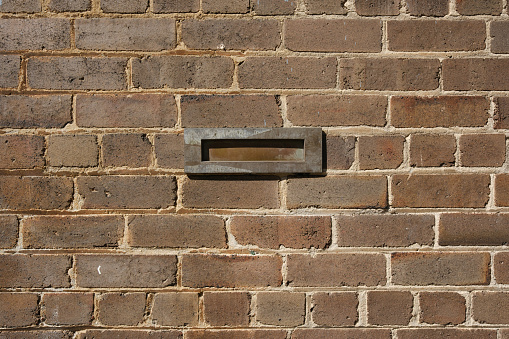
35	34
127	6
9	71
21	6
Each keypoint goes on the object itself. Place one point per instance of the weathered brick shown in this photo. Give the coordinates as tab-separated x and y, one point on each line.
127	191
125	270
499	32
34	271
227	193
339	152
464	74
45	111
182	72
389	74
125	6
333	270
69	5
239	34
389	307
226	308
35	334
129	334
72	231
73	151
440	268
291	72
432	150
221	6
479	229
501	117
18	309
380	152
231	270
132	150
473	7
176	6
441	190
444	308
77	73
169	149
281	308
324	35
501	264
21	6
502	190
335	308
175	309
121	308
428	7
270	7
236	334
489	307
114	34
325	6
184	231
377	7
338	192
9	71
442	111
341	333
67	308
236	111
21	151
35	193
504	333
35	34
487	150
8	231
450	333
385	230
344	110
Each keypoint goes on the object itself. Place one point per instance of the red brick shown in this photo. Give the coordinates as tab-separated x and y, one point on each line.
325	35
20	111
118	34
236	334
226	308
231	270
21	151
8	231
447	190
440	268
77	73
18	309
68	308
334	270
69	5
464	75
390	307
501	117
287	231
449	333
73	151
176	6
432	150
501	264
9	70
338	192
125	6
499	32
236	111
325	7
72	231
389	74
502	190
21	6
479	229
182	231
121	308
35	193
377	7
444	308
269	7
428	7
341	333
380	152
487	150
36	334
489	307
335	308
473	7
291	72
126	271
169	149
35	34
175	309
129	334
221	6
281	308
339	152
34	271
132	150
127	191
182	72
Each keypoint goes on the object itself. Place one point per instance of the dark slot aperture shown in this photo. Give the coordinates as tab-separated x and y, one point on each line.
253	150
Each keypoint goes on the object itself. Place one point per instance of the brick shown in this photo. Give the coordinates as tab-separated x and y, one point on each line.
389	74
450	333
281	308
175	309
226	308
121	308
129	334
125	6
338	192
502	190
35	335
221	6
227	34
231	271
504	333
77	73
487	150
487	307
385	230
229	193
501	264
440	111
334	270
344	110
72	231
269	7
169	149
479	229
341	333
73	151
499	32
182	231
432	150
126	271
236	334
444	308
287	231
324	35
440	268
377	7
127	191
132	150
176	6
428	7
9	71
35	193
501	116
325	6
464	75
390	307
69	5
21	151
21	6
35	34
8	231
335	308
68	308
34	271
45	111
183	72
447	190
18	309
291	72
473	7
236	111
339	152
380	152
118	34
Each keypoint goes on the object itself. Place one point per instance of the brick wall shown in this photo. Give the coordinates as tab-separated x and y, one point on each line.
405	235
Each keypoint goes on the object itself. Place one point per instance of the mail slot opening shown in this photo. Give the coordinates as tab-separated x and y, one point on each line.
252	150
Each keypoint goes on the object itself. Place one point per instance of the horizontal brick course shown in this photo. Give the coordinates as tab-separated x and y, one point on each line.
472	7
21	6
479	229
237	334
69	5
175	6
126	6
130	334
341	333
452	333
73	151
428	7
501	267
462	75
377	7
39	111
35	34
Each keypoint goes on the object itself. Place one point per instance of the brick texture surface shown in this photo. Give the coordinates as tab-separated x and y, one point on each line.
444	308
501	264
380	152
486	150
21	6
45	111
21	151
9	72
486	307
284	309
127	6
68	308
389	308
432	150
499	31
73	151
8	231
175	309
325	6
472	7
69	6
226	308
479	229
18	309
458	74
121	308
428	7
335	309
34	34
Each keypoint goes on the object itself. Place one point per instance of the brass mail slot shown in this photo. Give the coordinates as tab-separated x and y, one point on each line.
253	150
